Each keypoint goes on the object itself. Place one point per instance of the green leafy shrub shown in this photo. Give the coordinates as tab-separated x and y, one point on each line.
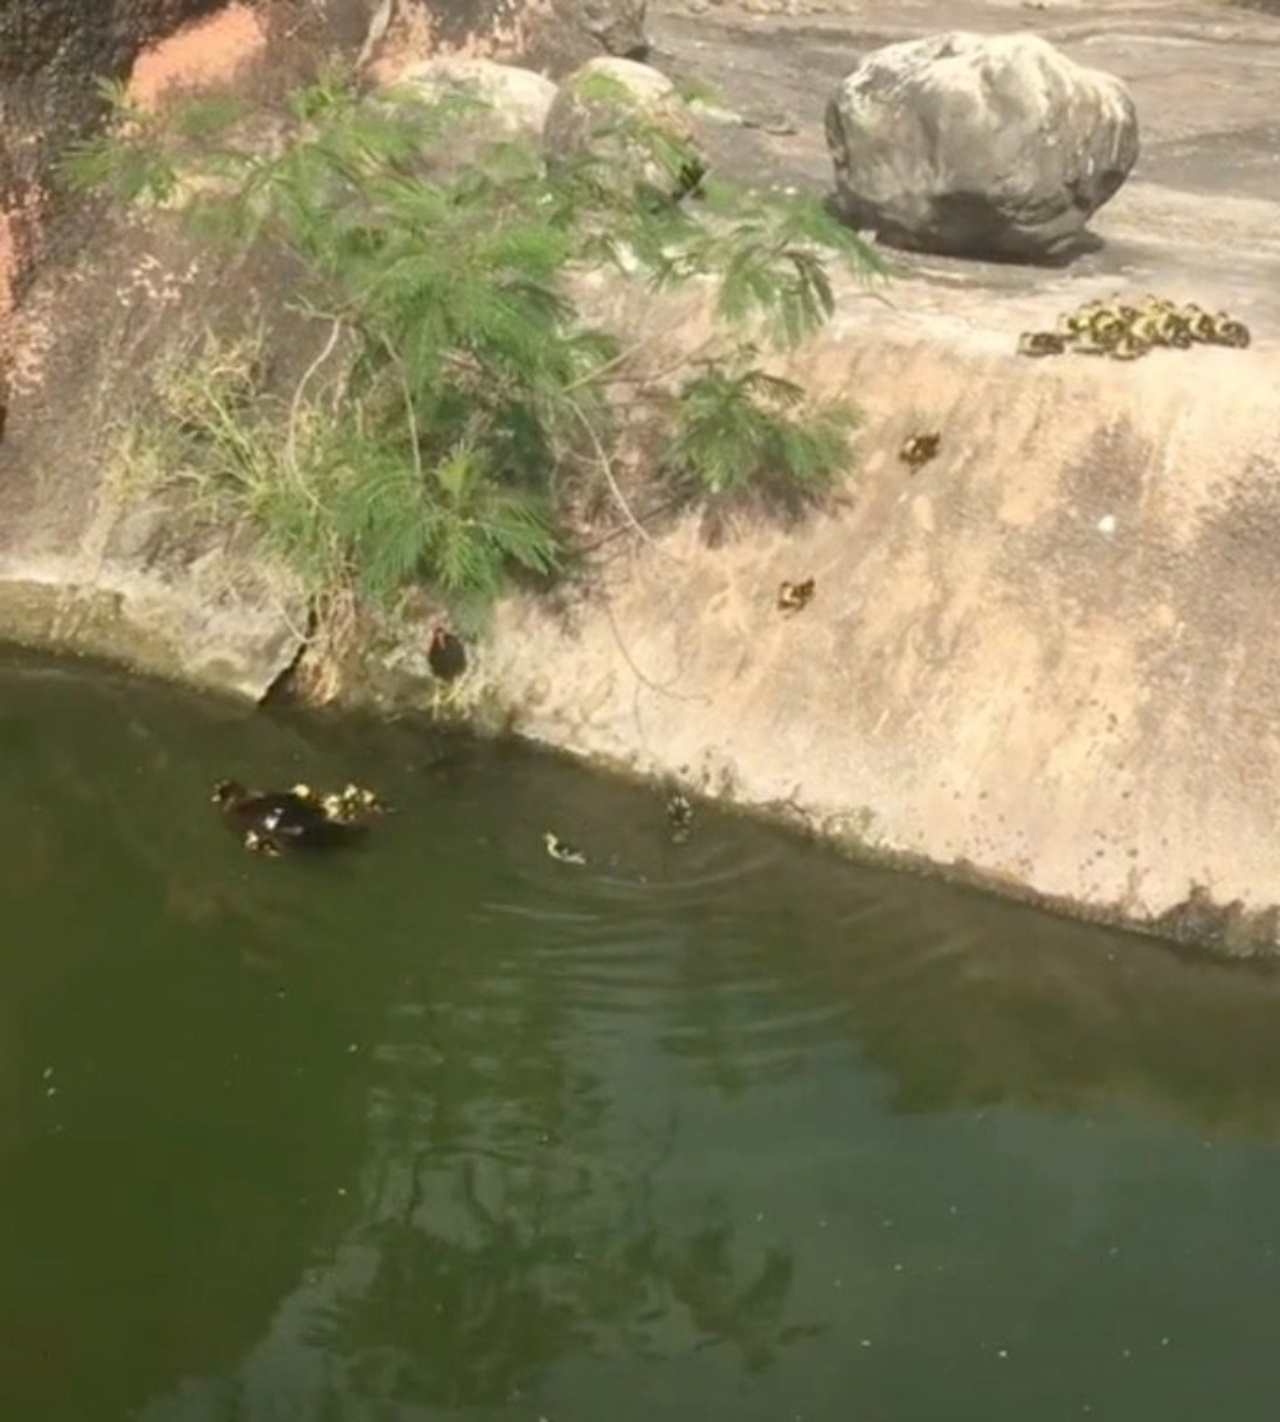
741	429
459	397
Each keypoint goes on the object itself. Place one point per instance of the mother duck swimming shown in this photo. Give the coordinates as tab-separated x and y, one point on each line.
273	821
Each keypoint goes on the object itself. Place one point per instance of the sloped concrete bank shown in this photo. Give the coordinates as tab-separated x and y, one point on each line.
1046	661
192	628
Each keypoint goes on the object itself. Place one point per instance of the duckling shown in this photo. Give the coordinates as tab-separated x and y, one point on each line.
1106	327
1199	323
358	802
557	848
679	815
360	797
794	596
1153	327
1072	324
1127	346
1229	332
446	656
1090	345
919	449
1041	343
276	820
353	804
1153	307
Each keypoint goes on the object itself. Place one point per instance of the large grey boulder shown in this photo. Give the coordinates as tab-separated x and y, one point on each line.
979	145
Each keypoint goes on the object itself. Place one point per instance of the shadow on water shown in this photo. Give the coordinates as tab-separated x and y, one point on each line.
443	1128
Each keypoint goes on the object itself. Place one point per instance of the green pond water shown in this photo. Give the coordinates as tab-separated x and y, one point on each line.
442	1129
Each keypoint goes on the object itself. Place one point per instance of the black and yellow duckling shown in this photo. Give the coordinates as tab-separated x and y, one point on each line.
1127	346
1106	326
1199	323
353	804
1087	343
274	821
919	449
793	596
1073	324
1041	343
1229	332
1158	326
559	849
679	810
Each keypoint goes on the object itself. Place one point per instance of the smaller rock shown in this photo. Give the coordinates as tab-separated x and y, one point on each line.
552	36
515	100
616	25
633	121
993	146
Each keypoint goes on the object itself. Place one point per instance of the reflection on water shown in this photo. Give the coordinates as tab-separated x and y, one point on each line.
445	1129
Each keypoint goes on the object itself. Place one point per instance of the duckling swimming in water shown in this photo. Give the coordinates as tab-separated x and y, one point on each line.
565	853
276	820
353	804
679	815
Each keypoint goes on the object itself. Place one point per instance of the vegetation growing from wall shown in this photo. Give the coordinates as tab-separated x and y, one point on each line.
459	403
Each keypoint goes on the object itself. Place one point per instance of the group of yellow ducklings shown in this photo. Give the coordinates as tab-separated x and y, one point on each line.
1124	331
273	821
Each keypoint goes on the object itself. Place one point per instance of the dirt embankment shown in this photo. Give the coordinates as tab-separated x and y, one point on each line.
1043	661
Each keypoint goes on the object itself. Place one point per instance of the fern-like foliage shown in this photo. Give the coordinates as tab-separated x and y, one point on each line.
471	392
770	263
128	159
458	522
739	429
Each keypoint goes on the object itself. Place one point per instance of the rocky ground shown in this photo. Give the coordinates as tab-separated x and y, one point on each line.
1200	208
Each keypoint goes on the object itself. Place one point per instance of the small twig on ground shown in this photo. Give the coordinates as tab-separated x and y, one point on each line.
602	458
664	507
295	405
